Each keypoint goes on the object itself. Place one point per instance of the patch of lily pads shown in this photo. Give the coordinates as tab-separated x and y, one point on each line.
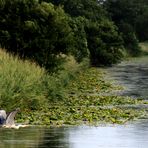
65	115
85	105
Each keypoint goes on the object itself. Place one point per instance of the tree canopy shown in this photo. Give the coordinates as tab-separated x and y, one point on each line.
46	30
133	12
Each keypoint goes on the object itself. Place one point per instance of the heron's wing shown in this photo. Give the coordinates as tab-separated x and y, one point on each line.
10	118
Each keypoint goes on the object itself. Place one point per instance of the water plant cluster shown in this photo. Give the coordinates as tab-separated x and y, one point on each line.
86	104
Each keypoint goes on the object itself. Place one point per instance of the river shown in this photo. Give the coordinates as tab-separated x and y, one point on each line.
133	75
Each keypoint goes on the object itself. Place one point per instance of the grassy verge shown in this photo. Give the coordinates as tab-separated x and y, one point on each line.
73	96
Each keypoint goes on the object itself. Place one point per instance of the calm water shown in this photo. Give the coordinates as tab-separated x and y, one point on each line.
127	136
134	76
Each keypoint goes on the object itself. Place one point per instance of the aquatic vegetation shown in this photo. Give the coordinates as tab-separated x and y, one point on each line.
85	104
65	115
90	81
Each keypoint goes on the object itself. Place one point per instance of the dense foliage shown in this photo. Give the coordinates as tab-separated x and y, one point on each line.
103	40
131	19
47	30
35	30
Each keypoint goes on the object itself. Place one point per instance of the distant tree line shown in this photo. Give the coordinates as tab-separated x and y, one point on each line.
131	18
46	30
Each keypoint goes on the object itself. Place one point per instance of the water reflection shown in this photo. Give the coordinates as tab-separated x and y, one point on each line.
54	138
33	137
22	138
111	136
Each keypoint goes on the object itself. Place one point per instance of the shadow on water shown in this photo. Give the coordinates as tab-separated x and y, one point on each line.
134	76
53	138
32	137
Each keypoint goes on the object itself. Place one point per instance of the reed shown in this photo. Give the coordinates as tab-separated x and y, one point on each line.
26	85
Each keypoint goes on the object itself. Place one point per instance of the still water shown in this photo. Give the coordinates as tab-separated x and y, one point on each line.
134	76
123	136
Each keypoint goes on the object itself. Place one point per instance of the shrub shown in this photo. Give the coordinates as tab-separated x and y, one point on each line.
104	43
130	40
26	85
39	31
20	83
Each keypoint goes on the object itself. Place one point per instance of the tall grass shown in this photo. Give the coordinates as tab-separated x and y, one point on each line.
26	85
20	82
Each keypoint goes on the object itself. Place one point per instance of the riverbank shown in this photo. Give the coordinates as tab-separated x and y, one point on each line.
87	103
76	95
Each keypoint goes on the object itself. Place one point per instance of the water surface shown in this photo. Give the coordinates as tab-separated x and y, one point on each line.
133	75
123	136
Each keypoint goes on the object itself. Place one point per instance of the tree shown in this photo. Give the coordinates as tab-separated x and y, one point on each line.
39	31
142	23
80	41
104	42
124	14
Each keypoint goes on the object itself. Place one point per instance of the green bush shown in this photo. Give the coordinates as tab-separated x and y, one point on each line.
104	43
101	35
80	40
20	83
26	85
127	16
39	31
131	42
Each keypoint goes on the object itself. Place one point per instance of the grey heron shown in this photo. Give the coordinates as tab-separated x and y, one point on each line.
8	119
